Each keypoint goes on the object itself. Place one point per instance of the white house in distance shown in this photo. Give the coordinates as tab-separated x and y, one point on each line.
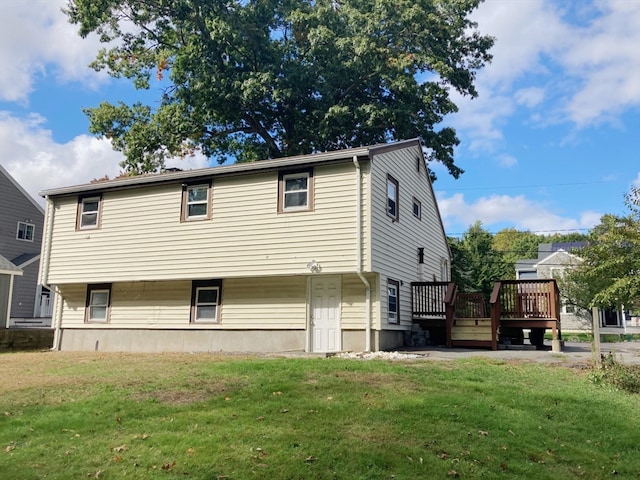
553	260
311	253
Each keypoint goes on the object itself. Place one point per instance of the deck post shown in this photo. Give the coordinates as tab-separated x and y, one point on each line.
494	311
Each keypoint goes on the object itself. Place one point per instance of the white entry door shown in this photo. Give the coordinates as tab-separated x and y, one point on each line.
325	314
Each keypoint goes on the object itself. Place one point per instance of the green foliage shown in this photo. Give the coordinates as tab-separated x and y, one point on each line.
476	265
268	78
609	275
618	375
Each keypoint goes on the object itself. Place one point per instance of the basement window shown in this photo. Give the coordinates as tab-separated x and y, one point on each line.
205	301
98	303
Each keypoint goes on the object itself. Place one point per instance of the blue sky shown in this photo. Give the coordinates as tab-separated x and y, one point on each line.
551	143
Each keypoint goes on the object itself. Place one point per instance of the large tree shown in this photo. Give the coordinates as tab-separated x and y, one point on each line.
255	79
476	265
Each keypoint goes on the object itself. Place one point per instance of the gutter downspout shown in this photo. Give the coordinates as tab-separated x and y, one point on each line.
367	285
44	274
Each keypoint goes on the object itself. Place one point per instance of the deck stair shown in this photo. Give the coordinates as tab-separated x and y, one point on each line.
471	326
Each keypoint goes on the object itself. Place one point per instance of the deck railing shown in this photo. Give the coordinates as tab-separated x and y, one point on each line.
526	299
428	298
471	305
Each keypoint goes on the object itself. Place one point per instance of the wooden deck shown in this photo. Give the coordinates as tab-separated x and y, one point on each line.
463	319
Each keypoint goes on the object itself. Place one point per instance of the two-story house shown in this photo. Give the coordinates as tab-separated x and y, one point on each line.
22	300
310	253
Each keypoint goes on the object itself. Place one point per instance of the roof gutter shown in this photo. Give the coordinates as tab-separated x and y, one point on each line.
367	285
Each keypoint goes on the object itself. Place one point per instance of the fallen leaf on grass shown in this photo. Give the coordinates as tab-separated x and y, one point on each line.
7	414
168	466
8	448
95	474
277	393
191	451
121	448
453	473
117	458
483	433
310	459
443	455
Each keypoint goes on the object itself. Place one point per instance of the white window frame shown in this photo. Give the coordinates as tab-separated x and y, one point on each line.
91	305
188	203
286	192
393	198
83	213
26	228
393	316
200	286
418	204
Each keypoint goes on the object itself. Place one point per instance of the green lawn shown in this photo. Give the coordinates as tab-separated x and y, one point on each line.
112	416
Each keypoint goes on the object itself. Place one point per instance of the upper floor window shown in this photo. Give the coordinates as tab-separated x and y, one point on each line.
98	303
89	212
393	303
417	209
295	191
196	202
25	231
392	198
205	301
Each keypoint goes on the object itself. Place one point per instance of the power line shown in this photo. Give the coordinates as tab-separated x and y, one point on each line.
528	231
503	187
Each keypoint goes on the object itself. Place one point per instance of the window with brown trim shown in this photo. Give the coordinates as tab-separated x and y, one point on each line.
393	196
89	212
196	202
98	303
206	298
295	191
393	301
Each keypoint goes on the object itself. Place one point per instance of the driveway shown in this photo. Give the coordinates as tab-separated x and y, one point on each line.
572	353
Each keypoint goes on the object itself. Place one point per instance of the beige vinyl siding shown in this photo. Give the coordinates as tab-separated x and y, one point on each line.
73	298
254	303
141	236
395	244
353	313
270	303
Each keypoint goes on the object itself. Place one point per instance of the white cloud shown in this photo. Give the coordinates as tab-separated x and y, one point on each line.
578	67
518	211
636	182
36	40
505	160
530	97
37	162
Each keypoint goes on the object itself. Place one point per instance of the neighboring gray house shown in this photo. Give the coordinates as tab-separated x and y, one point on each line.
553	260
22	300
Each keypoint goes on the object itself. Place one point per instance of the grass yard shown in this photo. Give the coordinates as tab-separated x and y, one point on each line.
112	416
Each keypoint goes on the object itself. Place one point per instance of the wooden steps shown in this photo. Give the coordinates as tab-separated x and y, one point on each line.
471	332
